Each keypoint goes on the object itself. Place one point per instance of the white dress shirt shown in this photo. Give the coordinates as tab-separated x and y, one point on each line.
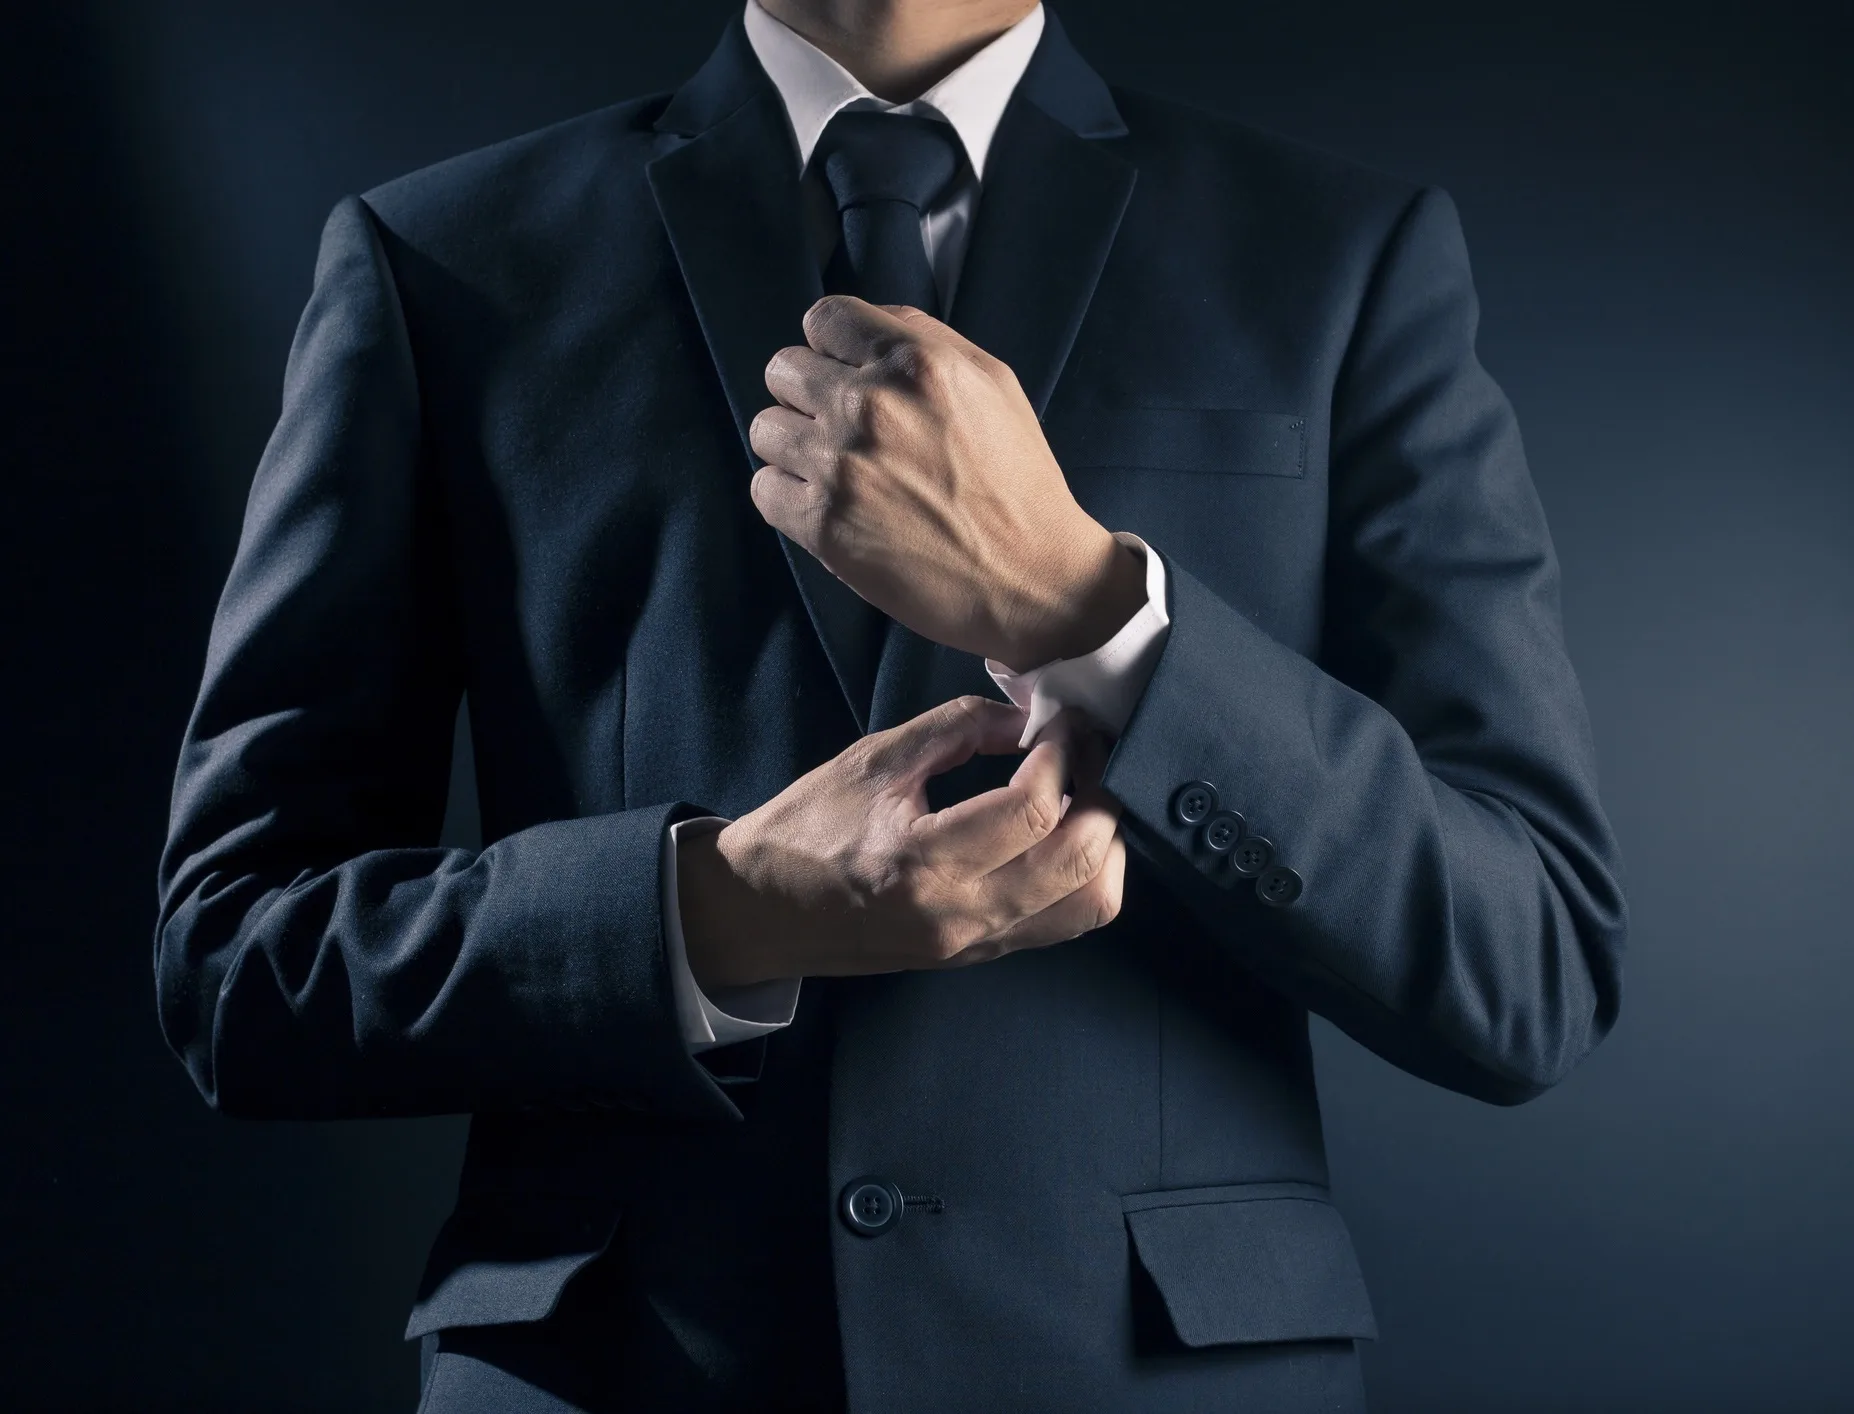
1107	683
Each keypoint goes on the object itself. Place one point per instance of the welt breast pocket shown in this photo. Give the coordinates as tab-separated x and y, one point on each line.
1247	1264
1213	441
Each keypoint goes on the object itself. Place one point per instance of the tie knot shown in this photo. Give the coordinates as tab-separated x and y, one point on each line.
868	157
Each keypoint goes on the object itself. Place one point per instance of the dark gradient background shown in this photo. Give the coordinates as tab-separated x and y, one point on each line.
1660	203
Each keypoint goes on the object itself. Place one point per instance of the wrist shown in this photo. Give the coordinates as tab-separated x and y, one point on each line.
1101	588
716	906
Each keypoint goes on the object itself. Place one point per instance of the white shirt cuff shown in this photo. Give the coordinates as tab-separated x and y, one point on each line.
1107	683
733	1013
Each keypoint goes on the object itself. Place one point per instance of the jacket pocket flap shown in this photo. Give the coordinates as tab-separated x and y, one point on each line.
1276	1264
499	1259
1235	441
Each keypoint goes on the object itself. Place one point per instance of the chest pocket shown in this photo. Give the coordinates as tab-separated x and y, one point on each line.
1218	441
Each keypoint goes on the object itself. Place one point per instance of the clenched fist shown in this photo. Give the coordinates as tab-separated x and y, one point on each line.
909	461
846	871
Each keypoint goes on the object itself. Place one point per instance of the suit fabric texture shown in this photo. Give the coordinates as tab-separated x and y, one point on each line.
511	464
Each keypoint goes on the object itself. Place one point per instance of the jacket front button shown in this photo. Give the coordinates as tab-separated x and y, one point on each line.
1253	854
870	1207
1193	802
1279	887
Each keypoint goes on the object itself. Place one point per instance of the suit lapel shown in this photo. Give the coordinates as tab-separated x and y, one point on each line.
726	184
1051	204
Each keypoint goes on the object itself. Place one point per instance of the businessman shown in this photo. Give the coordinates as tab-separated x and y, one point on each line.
983	599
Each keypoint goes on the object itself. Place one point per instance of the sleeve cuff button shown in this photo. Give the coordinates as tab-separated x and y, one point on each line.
1279	886
1252	856
1222	831
1193	803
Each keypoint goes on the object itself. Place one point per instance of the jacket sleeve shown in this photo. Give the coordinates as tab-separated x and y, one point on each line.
316	954
1430	780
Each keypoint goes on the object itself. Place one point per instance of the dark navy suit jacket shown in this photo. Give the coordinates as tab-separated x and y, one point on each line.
511	465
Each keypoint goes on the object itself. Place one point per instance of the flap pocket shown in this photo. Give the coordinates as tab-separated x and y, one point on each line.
1251	1263
502	1258
1233	441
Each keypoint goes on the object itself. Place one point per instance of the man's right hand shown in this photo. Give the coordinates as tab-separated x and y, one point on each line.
847	872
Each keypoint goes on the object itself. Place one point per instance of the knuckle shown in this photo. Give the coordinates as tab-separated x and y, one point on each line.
894	744
941	941
964	936
1088	908
764	492
824	503
770	435
860	759
824	313
880	412
870	412
1037	812
909	361
939	370
911	878
1106	899
1084	861
963	711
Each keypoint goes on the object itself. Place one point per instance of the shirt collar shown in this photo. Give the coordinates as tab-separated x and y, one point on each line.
815	87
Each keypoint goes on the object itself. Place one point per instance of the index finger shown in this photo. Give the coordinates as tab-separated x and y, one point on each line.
853	331
977	835
946	736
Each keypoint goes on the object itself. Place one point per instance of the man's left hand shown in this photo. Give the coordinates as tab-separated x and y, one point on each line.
909	461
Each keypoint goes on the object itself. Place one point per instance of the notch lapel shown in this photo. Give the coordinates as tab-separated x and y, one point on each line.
726	185
1051	204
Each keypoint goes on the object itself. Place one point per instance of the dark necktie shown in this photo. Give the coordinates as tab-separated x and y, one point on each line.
883	171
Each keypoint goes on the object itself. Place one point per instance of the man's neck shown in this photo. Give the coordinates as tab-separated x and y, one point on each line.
898	49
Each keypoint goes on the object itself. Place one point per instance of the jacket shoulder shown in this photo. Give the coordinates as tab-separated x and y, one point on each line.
520	182
1197	151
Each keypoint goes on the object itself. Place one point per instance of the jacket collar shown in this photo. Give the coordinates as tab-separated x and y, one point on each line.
1058	81
814	87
